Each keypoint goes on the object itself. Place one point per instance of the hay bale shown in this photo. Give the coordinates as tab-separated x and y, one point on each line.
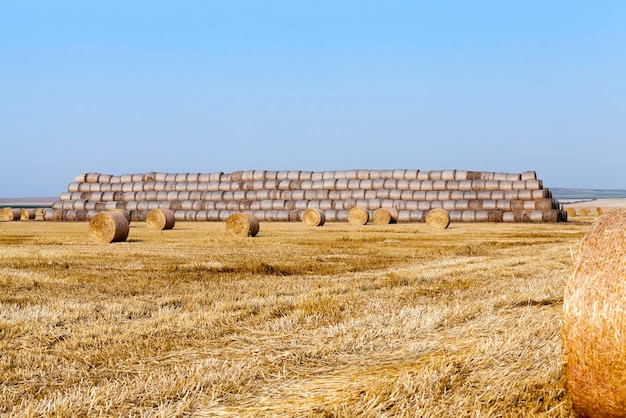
583	211
27	214
571	212
438	218
161	219
10	214
107	227
594	323
242	225
358	216
384	216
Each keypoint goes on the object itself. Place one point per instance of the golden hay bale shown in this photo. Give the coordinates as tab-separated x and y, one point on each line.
27	214
242	225
384	216
594	321
161	219
437	218
583	211
597	212
108	227
571	212
358	216
10	214
313	217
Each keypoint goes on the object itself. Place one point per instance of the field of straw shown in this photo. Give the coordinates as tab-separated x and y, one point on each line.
341	320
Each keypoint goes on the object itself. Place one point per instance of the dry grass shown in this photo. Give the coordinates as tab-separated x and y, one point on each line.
389	320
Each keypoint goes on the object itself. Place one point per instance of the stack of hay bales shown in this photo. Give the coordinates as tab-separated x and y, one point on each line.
467	196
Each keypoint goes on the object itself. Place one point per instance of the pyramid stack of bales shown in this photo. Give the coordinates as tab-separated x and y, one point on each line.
467	196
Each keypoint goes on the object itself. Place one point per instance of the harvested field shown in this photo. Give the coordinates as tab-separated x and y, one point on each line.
388	320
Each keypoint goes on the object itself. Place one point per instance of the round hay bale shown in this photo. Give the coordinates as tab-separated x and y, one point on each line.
594	321
384	216
161	219
438	218
571	212
242	225
313	217
108	227
27	214
10	214
597	212
583	211
358	216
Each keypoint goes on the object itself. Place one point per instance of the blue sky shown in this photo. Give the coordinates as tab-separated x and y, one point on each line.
129	87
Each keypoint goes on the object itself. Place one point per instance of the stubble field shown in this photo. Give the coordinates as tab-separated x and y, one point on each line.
339	320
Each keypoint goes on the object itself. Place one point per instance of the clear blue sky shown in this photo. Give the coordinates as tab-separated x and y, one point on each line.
193	86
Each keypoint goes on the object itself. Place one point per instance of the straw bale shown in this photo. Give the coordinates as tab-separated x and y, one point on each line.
423	175
494	215
594	323
27	214
190	215
437	218
460	175
492	185
455	215
398	174
317	176
358	216
533	184
474	175
597	211
404	216
384	216
10	214
363	174
408	205
476	204
378	184
426	185
107	227
351	174
406	195
503	204
179	215
461	204
247	175
242	225
326	204
375	174
432	195
313	217
553	215
468	216
435	175
161	219
416	216
411	174
395	194
481	216
448	174
540	194
571	212
424	205
528	175
201	216
497	194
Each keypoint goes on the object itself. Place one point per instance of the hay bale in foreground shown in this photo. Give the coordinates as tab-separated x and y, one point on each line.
358	216
313	217
242	225
107	227
385	216
161	219
10	214
594	324
438	218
